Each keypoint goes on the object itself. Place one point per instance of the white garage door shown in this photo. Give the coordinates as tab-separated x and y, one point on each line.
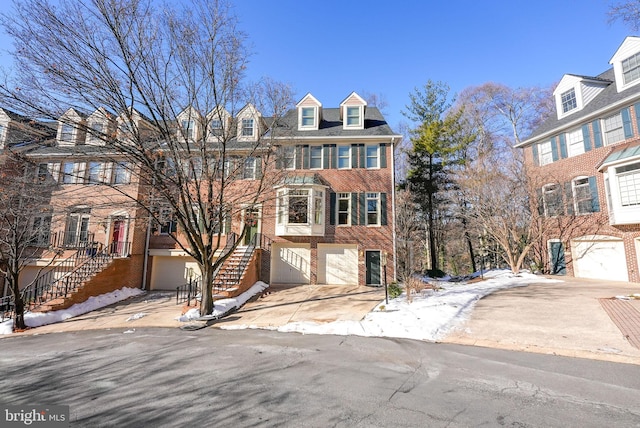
170	272
337	264
602	258
290	264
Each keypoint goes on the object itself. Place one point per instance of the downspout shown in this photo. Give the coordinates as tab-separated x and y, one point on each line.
146	254
393	208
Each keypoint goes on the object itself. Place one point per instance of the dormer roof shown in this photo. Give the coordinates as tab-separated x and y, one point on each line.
309	113
352	111
574	92
626	63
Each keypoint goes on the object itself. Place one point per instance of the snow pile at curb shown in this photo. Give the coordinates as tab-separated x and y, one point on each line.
224	306
430	316
37	319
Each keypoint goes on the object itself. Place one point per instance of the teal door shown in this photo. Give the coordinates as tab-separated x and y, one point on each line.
372	264
558	263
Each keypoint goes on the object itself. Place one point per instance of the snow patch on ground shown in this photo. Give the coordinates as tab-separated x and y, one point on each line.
37	319
224	306
430	315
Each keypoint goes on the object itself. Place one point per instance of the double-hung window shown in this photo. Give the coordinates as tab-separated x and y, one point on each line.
631	68
247	127
216	127
344	209
629	184
353	116
344	157
315	157
69	173
613	129
41	230
545	153
308	117
552	200
568	100
187	129
373	209
96	172
66	132
249	172
372	153
97	132
582	195
289	157
121	173
575	142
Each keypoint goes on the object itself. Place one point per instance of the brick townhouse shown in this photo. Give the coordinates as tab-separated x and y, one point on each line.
584	163
328	219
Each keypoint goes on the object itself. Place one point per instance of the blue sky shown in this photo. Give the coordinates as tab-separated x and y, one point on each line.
334	47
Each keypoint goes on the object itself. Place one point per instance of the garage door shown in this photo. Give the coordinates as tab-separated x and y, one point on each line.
601	258
337	264
290	264
167	273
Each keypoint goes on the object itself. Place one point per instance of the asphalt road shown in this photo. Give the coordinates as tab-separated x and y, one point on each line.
209	377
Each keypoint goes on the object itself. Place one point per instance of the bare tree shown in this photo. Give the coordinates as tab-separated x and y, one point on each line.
494	180
25	221
149	65
626	11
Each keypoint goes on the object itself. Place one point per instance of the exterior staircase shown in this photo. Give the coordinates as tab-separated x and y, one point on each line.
58	287
229	277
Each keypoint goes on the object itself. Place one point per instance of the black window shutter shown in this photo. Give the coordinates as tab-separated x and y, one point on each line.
383	209
536	160
354	209
325	156
361	153
298	157
279	155
332	208
354	156
383	155
258	168
334	156
363	208
305	157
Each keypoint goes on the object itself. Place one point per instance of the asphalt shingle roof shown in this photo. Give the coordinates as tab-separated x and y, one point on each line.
607	97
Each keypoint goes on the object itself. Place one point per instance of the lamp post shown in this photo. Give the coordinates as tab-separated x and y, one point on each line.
384	276
190	275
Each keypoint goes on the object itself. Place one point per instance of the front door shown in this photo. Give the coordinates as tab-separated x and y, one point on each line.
558	263
251	217
372	264
117	237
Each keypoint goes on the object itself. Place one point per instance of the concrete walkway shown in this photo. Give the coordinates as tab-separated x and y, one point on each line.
562	318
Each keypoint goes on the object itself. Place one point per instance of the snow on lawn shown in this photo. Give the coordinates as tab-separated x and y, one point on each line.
224	306
430	316
37	319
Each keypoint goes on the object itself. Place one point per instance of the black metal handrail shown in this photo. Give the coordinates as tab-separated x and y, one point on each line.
72	239
6	308
188	291
86	263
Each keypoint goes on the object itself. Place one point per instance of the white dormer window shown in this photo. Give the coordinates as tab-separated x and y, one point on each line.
66	132
568	100
308	117
216	127
247	127
631	69
353	116
187	129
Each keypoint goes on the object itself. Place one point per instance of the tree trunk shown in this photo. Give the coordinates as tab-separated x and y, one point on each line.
206	304
18	303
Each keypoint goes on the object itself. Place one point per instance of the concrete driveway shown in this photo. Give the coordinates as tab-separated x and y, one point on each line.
563	318
320	303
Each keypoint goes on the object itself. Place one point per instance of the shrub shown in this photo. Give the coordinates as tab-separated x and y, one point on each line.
394	290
